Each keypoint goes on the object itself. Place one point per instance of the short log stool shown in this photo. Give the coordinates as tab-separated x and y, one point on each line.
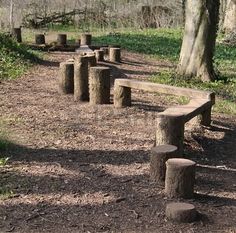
99	85
115	55
16	32
159	156
39	39
81	86
86	39
105	51
181	212
66	78
99	55
91	60
180	178
62	39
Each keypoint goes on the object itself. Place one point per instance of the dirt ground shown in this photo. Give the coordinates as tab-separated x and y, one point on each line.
78	168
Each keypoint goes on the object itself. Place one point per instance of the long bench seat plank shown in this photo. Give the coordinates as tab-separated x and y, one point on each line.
165	89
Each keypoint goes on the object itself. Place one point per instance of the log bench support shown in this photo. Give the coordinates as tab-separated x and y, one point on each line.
170	130
122	96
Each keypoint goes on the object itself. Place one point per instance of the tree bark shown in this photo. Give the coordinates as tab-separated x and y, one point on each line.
180	178
230	16
201	24
99	85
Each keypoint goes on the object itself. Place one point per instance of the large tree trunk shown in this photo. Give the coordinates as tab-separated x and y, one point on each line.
230	16
201	24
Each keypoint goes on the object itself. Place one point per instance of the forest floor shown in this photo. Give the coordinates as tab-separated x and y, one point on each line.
79	168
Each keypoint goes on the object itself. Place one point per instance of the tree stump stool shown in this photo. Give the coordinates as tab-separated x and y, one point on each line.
86	39
99	54
105	50
81	84
91	60
39	39
62	39
66	78
115	55
180	178
16	33
181	212
99	85
159	156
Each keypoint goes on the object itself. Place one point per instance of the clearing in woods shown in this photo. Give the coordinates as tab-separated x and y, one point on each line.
77	168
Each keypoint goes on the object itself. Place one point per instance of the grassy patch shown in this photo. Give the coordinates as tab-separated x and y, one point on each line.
15	58
162	43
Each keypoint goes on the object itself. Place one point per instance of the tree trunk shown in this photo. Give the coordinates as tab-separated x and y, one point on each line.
201	24
230	16
11	15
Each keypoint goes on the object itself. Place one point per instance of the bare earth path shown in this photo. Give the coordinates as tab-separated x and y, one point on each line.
77	168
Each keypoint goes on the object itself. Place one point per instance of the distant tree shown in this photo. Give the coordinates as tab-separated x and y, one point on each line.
230	16
11	13
201	24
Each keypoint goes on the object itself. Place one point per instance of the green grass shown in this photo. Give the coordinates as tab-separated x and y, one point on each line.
165	44
15	58
162	43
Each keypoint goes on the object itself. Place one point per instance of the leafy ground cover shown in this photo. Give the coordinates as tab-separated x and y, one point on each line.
15	58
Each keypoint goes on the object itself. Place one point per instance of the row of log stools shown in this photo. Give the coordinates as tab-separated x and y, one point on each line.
85	39
179	177
87	81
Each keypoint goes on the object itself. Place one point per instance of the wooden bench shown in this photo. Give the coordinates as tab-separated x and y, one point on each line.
170	123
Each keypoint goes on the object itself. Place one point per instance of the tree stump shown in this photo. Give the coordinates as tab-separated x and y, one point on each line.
180	178
86	39
99	85
115	55
91	60
99	54
62	39
159	156
105	50
170	130
16	33
122	96
39	39
181	212
81	85
66	78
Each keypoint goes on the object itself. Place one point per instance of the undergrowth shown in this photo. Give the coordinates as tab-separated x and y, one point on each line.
15	58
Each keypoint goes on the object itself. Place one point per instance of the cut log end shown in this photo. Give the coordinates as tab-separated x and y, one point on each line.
181	212
180	178
159	156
